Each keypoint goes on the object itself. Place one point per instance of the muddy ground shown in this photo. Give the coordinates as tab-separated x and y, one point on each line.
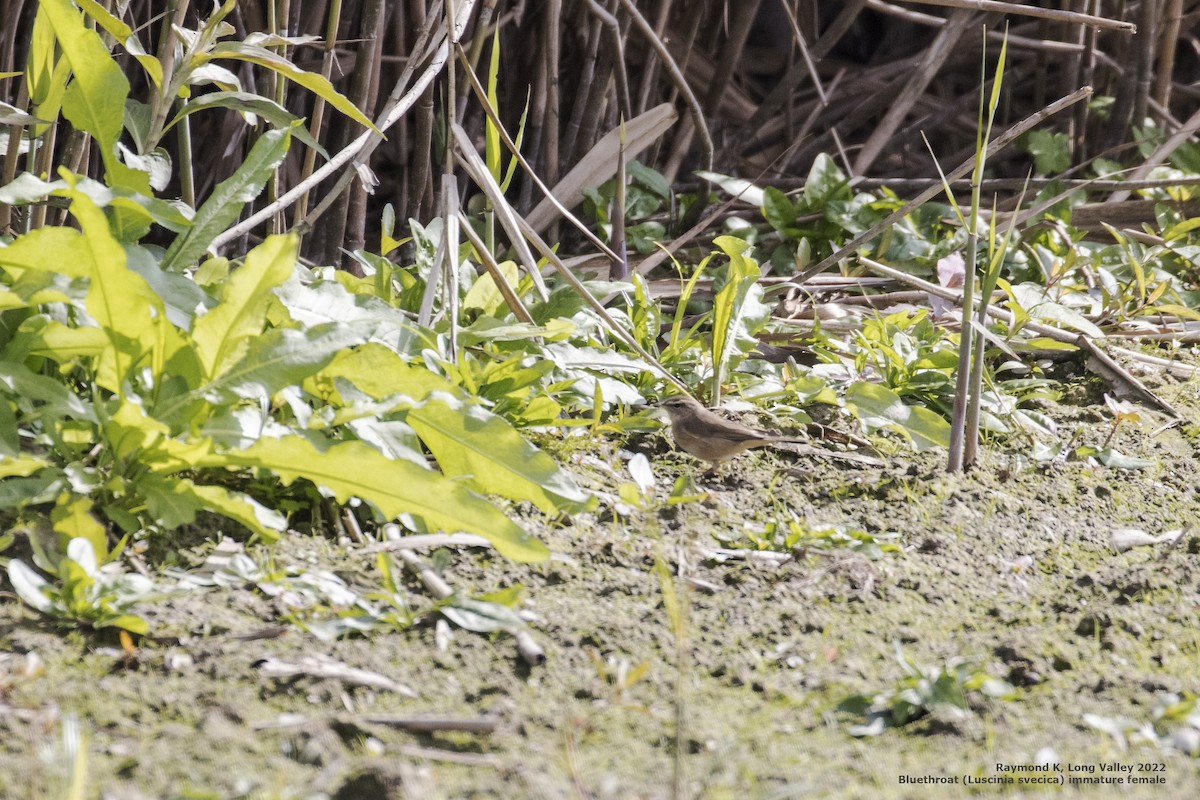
1010	568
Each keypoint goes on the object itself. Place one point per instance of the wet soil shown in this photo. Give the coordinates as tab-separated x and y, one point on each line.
1009	569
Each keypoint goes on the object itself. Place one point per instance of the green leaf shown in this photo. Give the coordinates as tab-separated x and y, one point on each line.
222	335
41	336
354	469
1110	457
72	519
485	295
225	203
55	400
738	310
247	103
51	249
491	144
130	622
309	80
329	301
175	501
879	406
481	616
377	371
470	441
95	100
778	210
131	433
41	487
280	358
1051	151
41	63
22	466
825	182
120	300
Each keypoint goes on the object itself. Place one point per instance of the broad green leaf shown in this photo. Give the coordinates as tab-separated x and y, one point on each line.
182	296
175	501
51	249
1066	317
46	338
225	203
309	80
120	300
825	182
354	469
72	519
485	295
22	466
879	406
330	301
223	333
95	100
470	441
778	210
41	487
393	438
247	103
377	371
280	358
131	433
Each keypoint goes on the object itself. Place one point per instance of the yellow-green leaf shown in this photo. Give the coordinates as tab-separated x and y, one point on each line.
354	469
72	519
222	335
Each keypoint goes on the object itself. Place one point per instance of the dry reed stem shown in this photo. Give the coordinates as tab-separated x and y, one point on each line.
1072	17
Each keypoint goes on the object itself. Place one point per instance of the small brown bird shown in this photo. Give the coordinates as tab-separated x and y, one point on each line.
712	438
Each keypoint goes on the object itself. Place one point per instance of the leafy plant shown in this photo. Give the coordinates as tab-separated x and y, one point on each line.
86	592
647	194
921	692
136	390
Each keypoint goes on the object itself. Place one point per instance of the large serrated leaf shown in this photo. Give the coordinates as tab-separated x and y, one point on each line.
222	334
176	501
470	441
280	358
120	300
354	469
